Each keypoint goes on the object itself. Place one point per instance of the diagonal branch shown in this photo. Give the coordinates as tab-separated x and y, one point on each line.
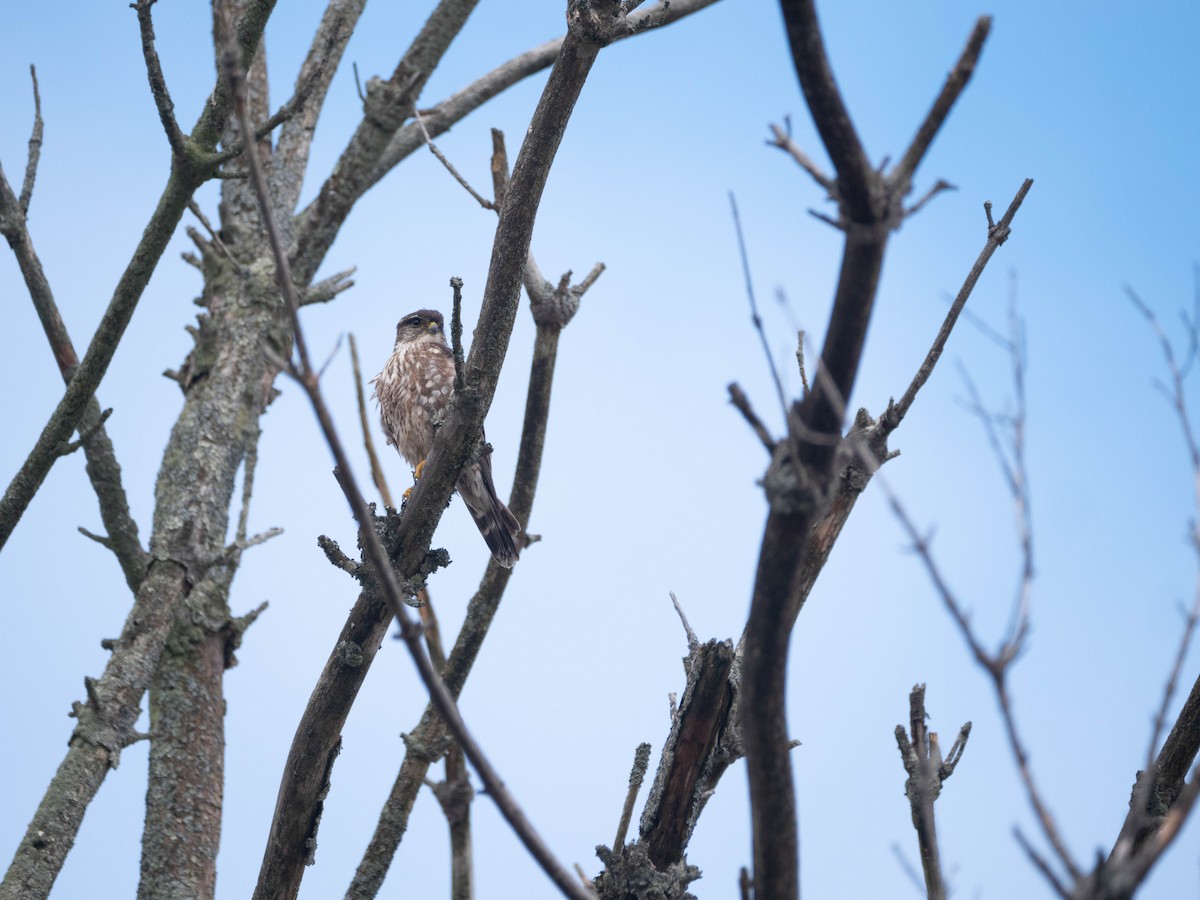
158	81
373	548
102	468
318	224
185	177
997	234
290	159
388	104
956	81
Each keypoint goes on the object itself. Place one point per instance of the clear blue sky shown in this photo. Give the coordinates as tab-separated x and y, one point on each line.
649	490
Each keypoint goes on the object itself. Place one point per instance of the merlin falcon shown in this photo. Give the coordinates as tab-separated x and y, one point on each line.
414	392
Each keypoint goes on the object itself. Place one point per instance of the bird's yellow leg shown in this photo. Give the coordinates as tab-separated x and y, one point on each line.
416	477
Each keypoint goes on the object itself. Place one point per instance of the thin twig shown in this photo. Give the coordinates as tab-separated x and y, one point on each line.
35	146
939	186
479	198
754	316
641	761
1041	864
956	81
997	234
783	140
158	82
293	107
460	365
692	641
213	236
368	442
997	667
739	399
69	447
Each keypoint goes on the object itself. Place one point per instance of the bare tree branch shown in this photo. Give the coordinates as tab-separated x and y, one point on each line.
998	664
158	82
103	470
318	224
106	722
927	771
956	81
641	760
457	436
376	469
35	146
801	480
1161	789
428	740
997	234
186	175
783	140
389	103
290	159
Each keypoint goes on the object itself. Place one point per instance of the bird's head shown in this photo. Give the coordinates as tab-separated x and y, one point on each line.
419	326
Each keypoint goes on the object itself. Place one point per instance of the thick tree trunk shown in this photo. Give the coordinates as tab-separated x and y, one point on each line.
227	382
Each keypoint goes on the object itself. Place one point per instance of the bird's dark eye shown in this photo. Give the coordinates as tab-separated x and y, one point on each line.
414	322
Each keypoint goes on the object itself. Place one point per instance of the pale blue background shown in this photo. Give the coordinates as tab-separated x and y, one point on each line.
649	479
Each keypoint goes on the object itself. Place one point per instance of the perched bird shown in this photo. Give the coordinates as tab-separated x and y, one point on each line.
414	391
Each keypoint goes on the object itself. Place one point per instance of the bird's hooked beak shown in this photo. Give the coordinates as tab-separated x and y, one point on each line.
433	327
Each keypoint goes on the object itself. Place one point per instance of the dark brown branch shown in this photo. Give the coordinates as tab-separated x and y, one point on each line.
801	480
373	548
428	739
35	146
956	81
829	112
700	746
